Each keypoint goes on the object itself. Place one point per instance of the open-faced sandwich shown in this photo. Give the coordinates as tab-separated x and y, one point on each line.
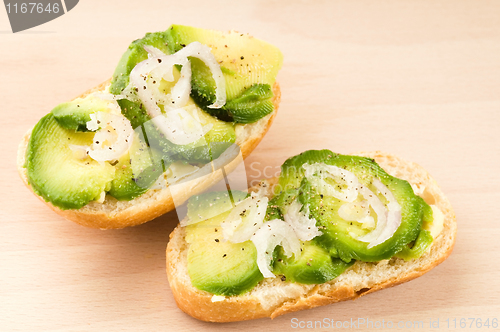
185	102
332	227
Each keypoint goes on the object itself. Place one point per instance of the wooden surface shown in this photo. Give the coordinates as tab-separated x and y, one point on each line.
420	79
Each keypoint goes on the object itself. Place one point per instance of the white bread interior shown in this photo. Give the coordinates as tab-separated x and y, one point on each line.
274	297
119	214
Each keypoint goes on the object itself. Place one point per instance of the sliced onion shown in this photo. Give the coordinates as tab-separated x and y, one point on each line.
245	219
203	52
146	76
304	227
264	188
153	51
114	137
388	220
316	173
271	234
138	80
182	89
92	125
159	66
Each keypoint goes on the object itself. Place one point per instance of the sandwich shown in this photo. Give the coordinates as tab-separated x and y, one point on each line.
330	228
181	111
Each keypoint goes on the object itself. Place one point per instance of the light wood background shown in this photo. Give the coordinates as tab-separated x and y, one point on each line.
420	79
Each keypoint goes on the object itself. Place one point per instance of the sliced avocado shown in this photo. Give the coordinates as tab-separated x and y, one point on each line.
135	111
422	243
75	114
339	235
211	204
147	160
217	266
314	266
249	66
292	172
273	210
415	250
213	144
253	103
123	186
60	175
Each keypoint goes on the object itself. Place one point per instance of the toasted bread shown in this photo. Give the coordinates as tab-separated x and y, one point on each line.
155	202
273	297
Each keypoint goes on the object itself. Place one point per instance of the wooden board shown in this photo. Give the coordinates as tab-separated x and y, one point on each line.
417	79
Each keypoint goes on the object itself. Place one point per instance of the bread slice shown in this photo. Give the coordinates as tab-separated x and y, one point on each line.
273	297
155	202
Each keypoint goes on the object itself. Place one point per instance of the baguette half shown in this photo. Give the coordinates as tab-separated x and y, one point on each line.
155	202
274	297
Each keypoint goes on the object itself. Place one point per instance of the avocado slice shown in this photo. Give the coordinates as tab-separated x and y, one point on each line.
424	239
217	266
273	210
415	250
138	169
314	266
213	144
249	66
340	236
75	114
124	187
209	147
135	111
292	172
57	173
211	204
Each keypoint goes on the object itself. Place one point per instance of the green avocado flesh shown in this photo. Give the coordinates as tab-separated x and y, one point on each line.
339	235
213	144
314	266
57	174
211	204
70	181
324	257
214	265
124	186
75	114
249	67
423	241
135	111
206	149
209	147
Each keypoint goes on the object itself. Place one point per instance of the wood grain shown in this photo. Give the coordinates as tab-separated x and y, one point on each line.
419	79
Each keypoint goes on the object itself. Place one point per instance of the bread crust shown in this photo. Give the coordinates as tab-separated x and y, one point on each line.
114	214
355	282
